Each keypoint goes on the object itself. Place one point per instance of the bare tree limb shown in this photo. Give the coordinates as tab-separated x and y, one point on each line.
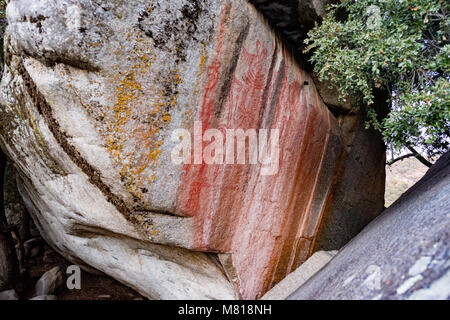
409	155
419	156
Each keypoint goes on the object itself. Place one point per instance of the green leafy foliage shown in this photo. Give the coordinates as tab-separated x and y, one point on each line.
2	8
398	45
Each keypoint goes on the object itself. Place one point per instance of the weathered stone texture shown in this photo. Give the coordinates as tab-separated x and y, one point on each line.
90	96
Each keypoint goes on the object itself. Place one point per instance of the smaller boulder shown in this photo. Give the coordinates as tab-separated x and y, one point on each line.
50	282
9	295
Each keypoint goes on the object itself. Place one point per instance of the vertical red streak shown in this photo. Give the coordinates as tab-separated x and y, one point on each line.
196	179
258	218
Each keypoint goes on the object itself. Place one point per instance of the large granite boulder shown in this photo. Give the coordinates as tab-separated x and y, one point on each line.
91	95
403	254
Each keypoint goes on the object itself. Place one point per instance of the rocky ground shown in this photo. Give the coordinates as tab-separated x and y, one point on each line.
93	287
42	271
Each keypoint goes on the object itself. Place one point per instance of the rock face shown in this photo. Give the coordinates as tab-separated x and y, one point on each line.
15	211
91	95
402	254
292	19
9	295
295	279
46	297
359	191
9	268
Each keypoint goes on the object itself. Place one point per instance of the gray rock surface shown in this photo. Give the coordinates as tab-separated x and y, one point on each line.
14	207
9	295
402	254
359	193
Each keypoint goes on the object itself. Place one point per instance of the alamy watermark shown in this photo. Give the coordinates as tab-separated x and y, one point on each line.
73	277
227	146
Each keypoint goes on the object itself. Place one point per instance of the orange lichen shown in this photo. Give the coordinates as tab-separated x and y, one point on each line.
202	56
140	111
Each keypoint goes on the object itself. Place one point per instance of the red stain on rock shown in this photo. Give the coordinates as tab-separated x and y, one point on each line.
267	222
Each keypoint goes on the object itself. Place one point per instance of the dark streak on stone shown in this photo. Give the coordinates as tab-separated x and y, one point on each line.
61	137
172	35
49	59
267	86
278	86
38	21
227	77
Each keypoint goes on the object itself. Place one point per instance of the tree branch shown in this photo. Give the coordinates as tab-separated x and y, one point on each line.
409	155
419	156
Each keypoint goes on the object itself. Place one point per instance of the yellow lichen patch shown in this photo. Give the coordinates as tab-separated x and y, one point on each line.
93	44
202	56
167	118
140	111
150	7
145	223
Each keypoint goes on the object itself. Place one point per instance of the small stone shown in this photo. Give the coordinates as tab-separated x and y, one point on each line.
50	282
9	295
